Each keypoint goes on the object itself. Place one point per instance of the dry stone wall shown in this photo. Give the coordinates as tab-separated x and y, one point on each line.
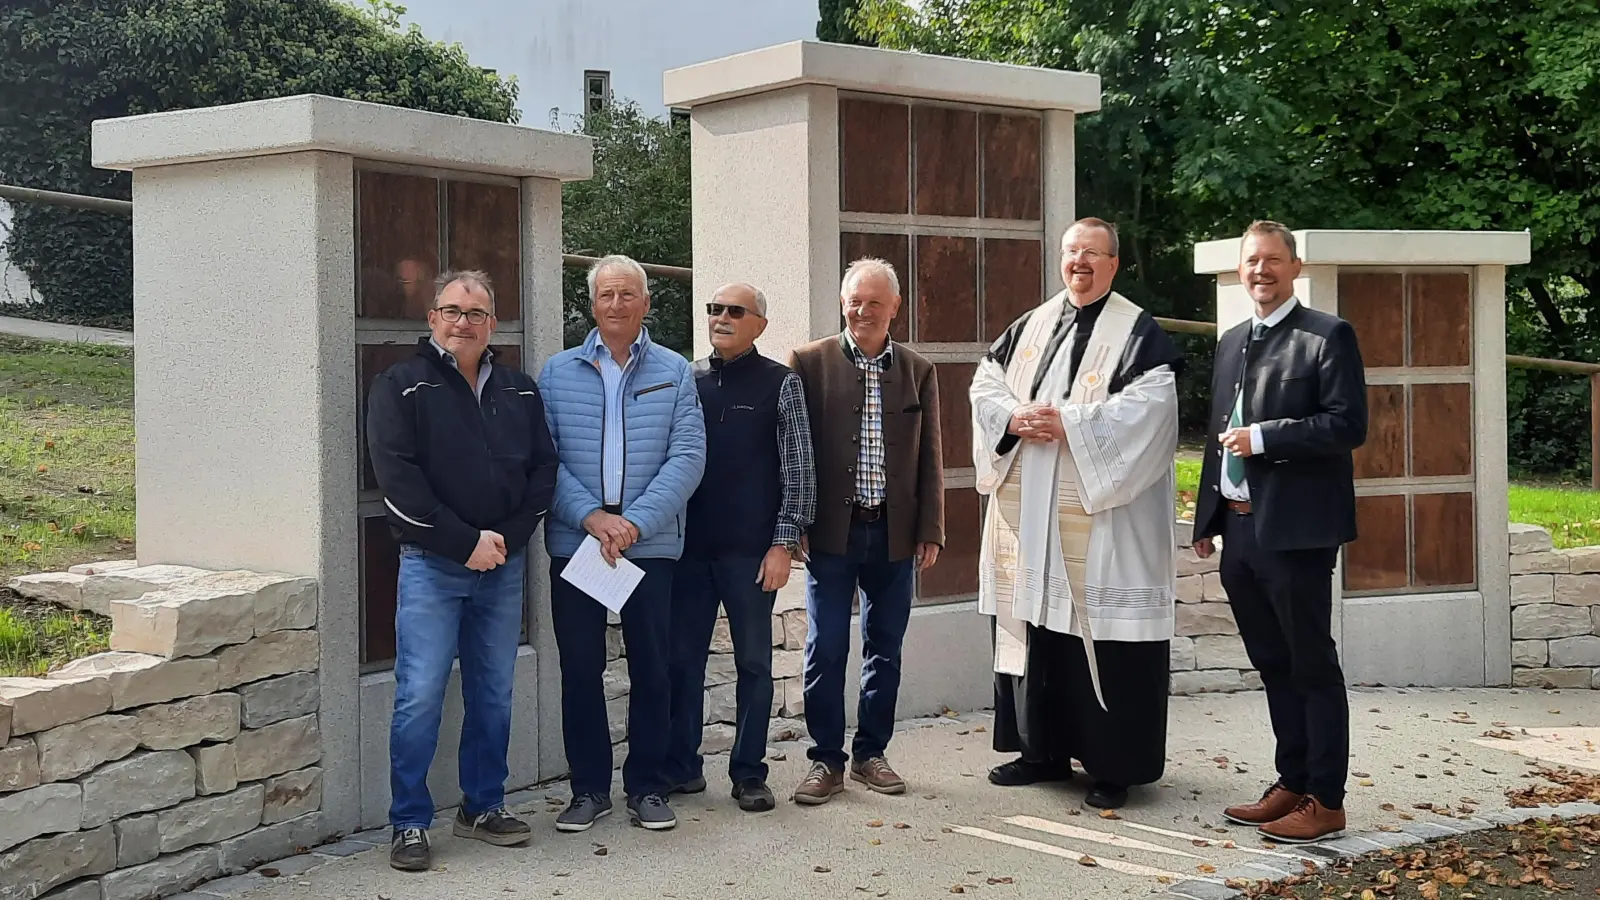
187	752
1555	612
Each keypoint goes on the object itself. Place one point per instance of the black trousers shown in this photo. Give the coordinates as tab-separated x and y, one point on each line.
1283	602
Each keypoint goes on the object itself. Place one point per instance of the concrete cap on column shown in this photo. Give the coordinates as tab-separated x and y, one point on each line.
1335	247
367	130
871	69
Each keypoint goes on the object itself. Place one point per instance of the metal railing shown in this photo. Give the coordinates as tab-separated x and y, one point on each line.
686	274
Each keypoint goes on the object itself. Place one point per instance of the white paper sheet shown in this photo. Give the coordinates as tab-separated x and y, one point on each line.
589	572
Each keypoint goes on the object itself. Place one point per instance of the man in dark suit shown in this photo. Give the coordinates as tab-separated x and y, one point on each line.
1289	405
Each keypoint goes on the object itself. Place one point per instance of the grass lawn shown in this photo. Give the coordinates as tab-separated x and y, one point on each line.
66	485
1571	514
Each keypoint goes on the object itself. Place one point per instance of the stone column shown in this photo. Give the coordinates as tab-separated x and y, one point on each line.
282	256
1422	596
807	156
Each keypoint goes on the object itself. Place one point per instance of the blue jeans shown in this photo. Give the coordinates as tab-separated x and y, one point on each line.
699	586
831	583
580	625
445	607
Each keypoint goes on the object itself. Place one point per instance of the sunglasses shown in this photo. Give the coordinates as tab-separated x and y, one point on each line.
734	312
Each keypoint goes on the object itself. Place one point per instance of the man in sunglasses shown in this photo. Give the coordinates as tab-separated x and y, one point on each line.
467	468
745	522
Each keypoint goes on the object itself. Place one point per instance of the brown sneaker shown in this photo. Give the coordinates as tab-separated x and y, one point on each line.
1276	803
1309	821
819	786
876	774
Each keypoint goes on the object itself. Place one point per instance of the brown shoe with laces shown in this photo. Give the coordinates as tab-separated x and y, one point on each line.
1276	803
1309	821
876	774
819	786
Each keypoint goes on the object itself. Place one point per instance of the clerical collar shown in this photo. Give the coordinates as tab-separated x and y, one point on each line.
1278	315
1091	304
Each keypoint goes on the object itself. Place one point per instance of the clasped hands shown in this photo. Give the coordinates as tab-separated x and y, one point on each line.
490	552
615	533
1038	422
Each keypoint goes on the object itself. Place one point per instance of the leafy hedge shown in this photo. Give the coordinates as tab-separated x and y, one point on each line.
66	63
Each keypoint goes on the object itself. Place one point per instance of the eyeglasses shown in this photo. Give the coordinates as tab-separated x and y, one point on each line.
454	314
734	312
1087	254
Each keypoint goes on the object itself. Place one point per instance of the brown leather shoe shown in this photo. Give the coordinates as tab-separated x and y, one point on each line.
819	786
1310	821
876	774
1276	803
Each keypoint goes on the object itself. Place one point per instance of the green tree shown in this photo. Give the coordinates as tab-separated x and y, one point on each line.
636	204
66	63
835	22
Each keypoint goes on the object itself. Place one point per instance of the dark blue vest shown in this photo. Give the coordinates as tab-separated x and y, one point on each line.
735	509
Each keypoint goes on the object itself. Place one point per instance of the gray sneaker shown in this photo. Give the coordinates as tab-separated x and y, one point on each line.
496	827
651	811
582	812
409	850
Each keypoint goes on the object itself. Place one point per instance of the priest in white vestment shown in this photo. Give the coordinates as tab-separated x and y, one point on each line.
1075	428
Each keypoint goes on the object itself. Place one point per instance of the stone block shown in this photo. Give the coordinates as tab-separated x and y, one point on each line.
722	704
721	636
613	643
795	628
272	842
617	718
1528	538
63	589
276	699
40	704
1550	562
210	819
140	679
1527	589
101	589
183	621
1191	589
1530	654
138	840
717	738
291	796
720	670
173	726
1551	678
166	876
1577	590
1205	681
1550	620
1251	680
615	680
1182	656
47	809
1213	588
780	730
19	765
794	698
788	663
282	602
45	863
72	750
792	595
1205	618
278	653
216	768
1220	651
81	890
777	629
1579	560
1575	651
140	783
1189	563
1594	619
278	748
103	567
5	720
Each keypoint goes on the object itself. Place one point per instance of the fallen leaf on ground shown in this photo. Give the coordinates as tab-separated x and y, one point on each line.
1206	868
1006	879
821	870
957	889
901	825
875	823
1109	814
1087	861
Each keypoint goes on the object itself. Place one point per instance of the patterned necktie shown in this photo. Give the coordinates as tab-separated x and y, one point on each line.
1235	463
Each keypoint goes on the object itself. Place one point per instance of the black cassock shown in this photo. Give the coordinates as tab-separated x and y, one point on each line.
1050	715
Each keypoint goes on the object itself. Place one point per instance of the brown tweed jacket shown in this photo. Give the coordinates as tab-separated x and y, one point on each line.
914	461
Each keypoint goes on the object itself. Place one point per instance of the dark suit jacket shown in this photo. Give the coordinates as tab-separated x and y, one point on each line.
914	463
1305	384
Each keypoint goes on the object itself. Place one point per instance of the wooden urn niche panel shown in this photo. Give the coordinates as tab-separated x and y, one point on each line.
953	197
1415	475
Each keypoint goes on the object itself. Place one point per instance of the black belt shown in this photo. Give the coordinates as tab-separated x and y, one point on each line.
861	513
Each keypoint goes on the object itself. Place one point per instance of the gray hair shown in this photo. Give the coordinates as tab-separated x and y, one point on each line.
755	293
472	278
869	265
1110	228
1267	226
617	261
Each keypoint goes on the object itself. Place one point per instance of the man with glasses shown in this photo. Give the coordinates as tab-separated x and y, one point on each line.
467	468
745	523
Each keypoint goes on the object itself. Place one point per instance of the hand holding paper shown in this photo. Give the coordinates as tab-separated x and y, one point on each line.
610	584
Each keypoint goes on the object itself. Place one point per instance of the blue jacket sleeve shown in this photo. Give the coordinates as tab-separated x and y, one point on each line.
572	502
667	497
